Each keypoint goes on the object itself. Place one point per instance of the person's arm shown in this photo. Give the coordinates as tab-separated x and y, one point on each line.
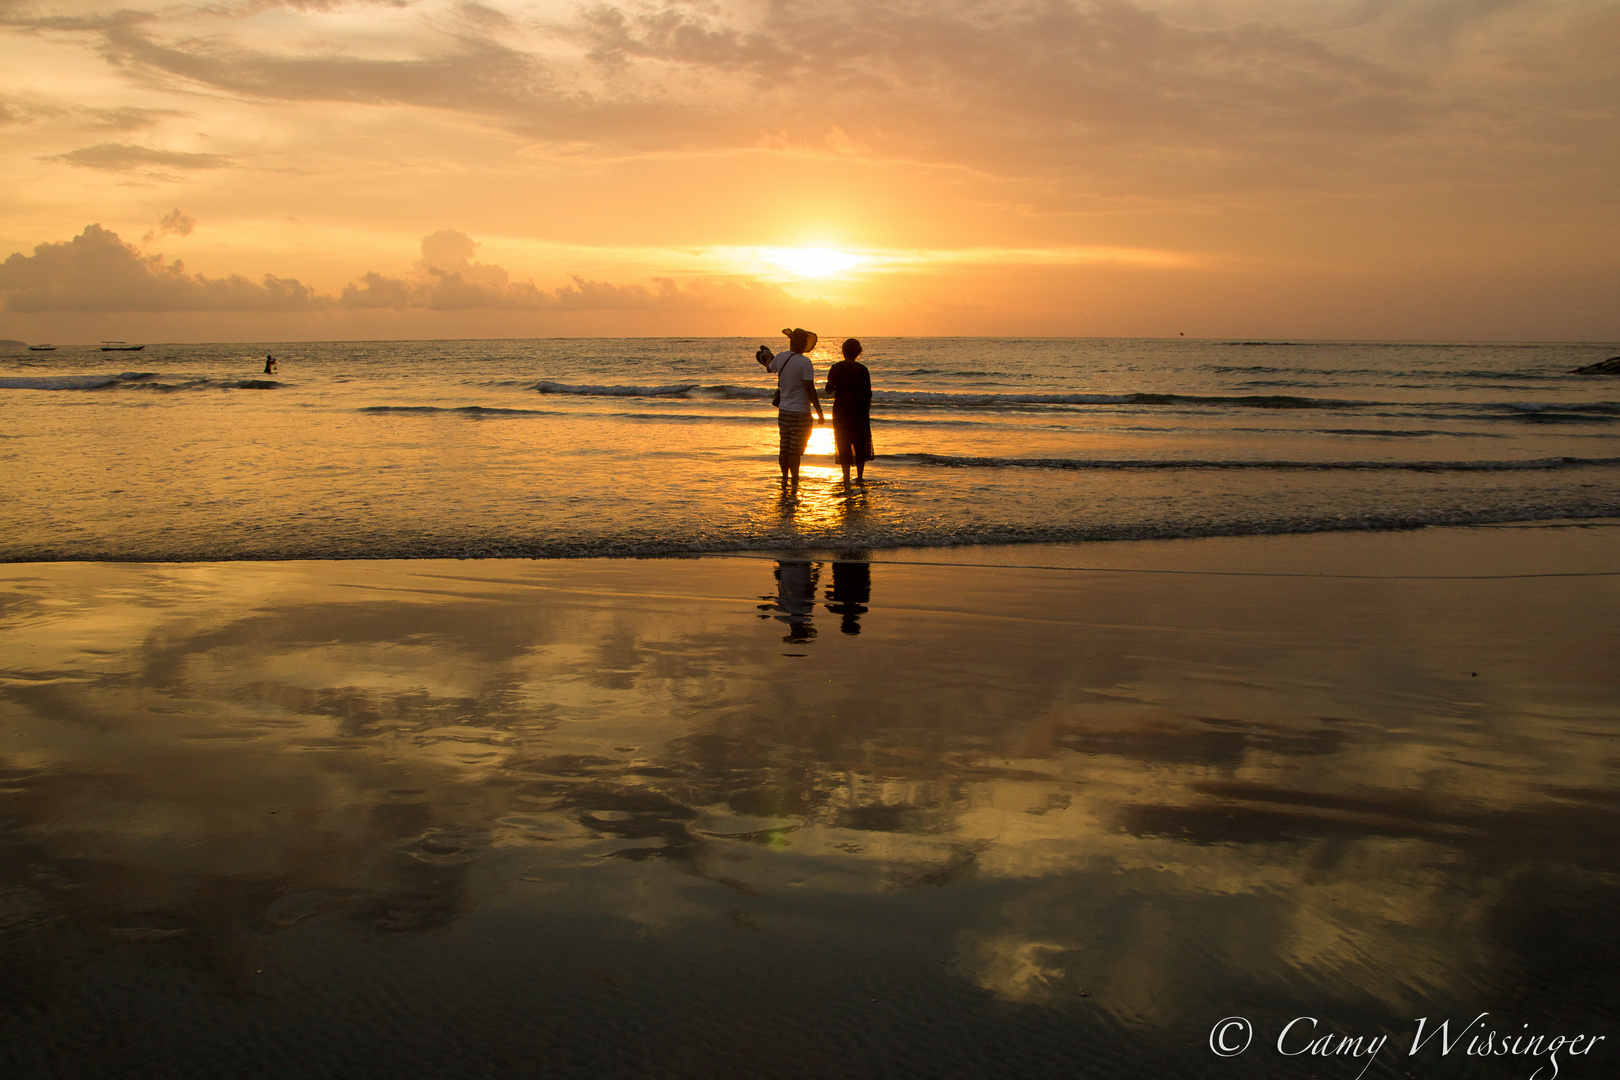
815	399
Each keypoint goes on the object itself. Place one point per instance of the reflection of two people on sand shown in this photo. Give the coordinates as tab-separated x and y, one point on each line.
795	599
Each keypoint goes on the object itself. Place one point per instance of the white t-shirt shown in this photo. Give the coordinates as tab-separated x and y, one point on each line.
793	370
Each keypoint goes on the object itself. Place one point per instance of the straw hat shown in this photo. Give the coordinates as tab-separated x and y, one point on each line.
811	346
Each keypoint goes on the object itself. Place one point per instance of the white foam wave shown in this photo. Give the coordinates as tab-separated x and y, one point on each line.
1601	407
957	400
71	382
924	397
1529	464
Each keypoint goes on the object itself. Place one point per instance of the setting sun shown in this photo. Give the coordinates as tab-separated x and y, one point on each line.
810	262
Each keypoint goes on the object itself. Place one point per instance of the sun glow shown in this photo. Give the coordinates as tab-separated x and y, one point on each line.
810	262
821	442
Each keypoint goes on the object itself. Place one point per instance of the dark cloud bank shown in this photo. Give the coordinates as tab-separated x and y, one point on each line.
98	271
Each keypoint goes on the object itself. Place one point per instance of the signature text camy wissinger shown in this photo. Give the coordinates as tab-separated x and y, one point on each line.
1300	1037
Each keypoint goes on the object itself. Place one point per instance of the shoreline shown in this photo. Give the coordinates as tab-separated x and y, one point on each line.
564	552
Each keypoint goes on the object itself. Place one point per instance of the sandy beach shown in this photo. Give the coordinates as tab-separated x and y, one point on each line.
1020	811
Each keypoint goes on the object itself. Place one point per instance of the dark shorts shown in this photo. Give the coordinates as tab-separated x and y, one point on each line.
852	439
794	430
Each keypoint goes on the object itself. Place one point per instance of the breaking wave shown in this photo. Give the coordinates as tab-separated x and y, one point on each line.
950	461
73	382
930	398
462	410
137	380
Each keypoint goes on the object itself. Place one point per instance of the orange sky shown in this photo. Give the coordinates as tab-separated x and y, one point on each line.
315	169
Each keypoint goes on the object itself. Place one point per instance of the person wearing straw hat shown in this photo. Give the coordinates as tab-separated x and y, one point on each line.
795	396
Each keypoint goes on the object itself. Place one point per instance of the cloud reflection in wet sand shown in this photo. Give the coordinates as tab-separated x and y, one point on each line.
580	812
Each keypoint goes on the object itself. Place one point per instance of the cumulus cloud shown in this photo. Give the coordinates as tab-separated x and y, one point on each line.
447	279
97	271
125	157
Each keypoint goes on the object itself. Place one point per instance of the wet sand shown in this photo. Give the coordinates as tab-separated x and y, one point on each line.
1018	812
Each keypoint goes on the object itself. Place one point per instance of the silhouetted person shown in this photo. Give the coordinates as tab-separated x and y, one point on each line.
795	599
850	592
850	386
795	394
269	365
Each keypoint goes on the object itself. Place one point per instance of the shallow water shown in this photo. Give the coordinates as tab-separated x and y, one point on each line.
729	817
589	447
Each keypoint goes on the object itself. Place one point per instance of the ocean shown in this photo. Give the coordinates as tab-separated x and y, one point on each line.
590	447
831	805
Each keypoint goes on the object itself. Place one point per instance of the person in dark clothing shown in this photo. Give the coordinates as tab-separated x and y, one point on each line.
850	385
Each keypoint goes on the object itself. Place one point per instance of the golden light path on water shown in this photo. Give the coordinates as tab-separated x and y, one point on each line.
821	442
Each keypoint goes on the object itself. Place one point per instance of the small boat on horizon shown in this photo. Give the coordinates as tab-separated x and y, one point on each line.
119	346
42	348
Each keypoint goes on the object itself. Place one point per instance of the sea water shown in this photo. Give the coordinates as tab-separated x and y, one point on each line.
575	447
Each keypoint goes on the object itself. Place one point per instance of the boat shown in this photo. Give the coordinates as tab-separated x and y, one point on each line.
119	346
42	348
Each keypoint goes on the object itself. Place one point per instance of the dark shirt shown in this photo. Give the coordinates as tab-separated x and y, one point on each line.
850	385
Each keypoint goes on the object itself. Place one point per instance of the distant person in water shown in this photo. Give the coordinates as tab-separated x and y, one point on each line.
270	365
849	384
795	395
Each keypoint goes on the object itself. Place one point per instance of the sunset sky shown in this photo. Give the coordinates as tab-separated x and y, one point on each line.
315	169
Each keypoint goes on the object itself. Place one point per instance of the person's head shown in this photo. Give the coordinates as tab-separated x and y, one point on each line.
852	348
799	340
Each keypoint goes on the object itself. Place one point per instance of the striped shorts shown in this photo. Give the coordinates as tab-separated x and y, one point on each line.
794	430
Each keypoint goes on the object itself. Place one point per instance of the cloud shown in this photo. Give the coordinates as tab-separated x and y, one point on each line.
1037	80
1102	64
175	223
468	72
129	119
669	295
125	157
97	271
447	279
1084	96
